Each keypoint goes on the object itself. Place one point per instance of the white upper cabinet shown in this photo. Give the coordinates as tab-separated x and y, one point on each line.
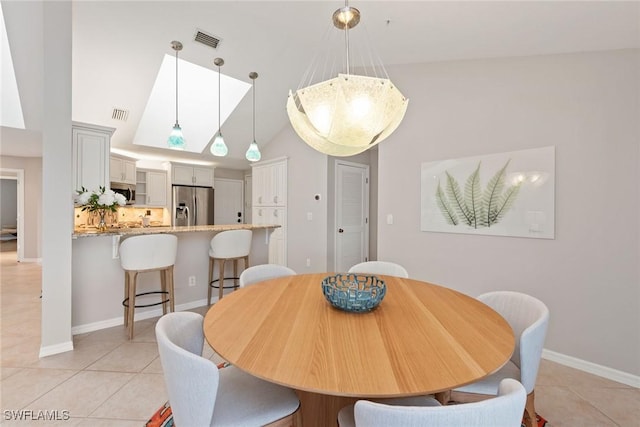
157	188
122	170
192	175
151	188
90	156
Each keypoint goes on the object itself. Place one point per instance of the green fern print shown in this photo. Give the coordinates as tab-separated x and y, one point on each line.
474	207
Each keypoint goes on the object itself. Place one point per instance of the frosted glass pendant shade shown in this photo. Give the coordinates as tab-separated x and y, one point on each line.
253	153
219	148
176	140
346	115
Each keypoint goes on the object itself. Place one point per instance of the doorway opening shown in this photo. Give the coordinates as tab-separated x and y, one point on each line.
12	214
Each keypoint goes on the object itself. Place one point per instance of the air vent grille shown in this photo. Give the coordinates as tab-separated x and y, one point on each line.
207	39
120	114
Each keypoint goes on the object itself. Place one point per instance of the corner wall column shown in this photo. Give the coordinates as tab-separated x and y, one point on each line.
57	217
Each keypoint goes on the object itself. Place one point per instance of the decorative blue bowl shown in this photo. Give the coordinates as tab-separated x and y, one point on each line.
356	293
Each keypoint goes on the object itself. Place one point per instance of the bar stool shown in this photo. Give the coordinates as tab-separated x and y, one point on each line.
231	245
143	254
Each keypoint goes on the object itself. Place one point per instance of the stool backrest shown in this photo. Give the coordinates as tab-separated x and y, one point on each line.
231	244
148	251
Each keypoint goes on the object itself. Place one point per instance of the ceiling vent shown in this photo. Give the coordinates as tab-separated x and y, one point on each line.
120	114
207	39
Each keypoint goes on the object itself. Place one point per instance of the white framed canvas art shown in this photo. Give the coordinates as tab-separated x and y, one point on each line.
504	194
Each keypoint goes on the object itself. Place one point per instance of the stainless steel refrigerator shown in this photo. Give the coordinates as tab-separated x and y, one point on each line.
192	205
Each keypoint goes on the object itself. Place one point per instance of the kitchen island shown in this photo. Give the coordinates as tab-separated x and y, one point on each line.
98	279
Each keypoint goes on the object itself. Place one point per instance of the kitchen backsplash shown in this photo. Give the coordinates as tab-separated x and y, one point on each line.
126	215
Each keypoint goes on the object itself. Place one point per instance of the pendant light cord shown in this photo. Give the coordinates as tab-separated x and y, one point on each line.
346	38
219	96
254	110
176	87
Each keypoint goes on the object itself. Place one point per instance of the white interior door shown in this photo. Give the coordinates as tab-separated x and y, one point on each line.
352	214
229	199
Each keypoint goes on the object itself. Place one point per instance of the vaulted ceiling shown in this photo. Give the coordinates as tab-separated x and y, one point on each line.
118	47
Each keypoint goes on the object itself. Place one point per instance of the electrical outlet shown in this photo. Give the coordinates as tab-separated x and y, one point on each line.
192	280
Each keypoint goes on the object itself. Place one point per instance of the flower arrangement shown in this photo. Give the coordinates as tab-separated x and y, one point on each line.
103	199
100	201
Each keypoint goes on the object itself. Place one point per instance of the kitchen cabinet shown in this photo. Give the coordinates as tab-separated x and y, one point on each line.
192	175
122	170
90	156
270	183
278	238
269	197
151	188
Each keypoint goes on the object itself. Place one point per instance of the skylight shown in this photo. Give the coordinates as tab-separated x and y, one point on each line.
10	109
197	104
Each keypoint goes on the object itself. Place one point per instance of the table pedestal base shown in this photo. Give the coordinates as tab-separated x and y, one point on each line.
321	410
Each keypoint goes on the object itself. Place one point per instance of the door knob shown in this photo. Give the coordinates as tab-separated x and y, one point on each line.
340	230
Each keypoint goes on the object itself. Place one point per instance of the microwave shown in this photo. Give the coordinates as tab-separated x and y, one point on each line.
127	190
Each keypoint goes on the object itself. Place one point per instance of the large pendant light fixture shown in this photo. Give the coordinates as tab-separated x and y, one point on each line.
176	139
219	148
350	113
253	153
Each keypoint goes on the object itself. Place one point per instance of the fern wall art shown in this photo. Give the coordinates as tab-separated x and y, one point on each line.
506	194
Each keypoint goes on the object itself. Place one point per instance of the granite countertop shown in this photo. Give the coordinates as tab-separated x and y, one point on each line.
92	232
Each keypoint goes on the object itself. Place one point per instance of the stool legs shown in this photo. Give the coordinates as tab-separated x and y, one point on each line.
130	279
163	288
132	276
221	279
126	295
172	302
211	262
221	265
235	274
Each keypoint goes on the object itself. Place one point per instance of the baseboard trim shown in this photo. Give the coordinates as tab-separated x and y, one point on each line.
50	350
592	368
157	312
31	260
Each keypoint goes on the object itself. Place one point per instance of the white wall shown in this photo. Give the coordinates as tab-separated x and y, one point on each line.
57	224
587	106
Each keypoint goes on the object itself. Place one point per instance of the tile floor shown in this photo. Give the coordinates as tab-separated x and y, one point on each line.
110	381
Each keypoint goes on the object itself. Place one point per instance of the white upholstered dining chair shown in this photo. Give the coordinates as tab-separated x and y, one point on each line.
529	318
505	410
261	272
380	267
202	395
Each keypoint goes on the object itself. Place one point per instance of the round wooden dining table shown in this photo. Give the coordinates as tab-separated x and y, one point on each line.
421	339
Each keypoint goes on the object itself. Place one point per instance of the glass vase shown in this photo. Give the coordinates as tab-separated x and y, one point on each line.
102	224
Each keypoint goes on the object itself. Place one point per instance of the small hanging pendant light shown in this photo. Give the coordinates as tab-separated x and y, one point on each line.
253	153
176	139
219	148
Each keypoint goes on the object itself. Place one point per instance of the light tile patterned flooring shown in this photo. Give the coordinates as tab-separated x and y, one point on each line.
110	381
